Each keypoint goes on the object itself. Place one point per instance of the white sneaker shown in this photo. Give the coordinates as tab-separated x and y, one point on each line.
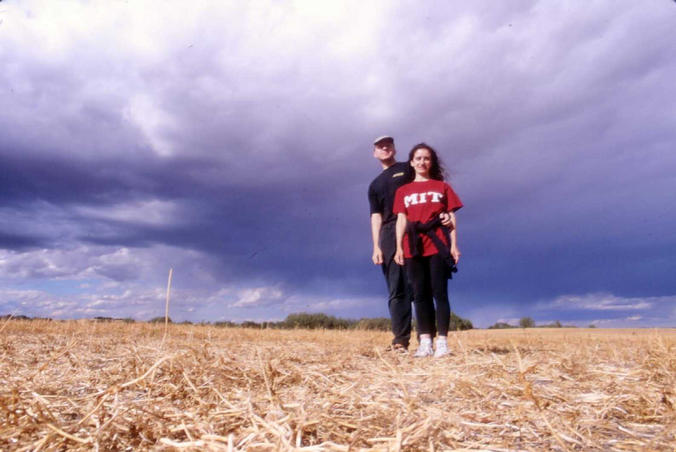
442	349
424	349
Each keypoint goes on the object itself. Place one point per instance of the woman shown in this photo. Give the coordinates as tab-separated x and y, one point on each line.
424	207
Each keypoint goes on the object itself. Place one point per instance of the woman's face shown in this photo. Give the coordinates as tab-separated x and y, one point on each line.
422	162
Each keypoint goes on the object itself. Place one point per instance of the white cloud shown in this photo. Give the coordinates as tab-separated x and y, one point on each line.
112	264
142	303
634	321
258	296
153	121
139	303
605	302
341	304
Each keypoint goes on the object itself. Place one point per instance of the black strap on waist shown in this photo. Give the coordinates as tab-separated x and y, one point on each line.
416	229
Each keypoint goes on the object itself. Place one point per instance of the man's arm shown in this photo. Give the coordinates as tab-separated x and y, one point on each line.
446	219
376	223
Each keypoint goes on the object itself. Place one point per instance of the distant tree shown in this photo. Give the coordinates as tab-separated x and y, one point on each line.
251	324
315	321
116	319
14	317
557	324
159	320
500	326
592	325
458	323
526	322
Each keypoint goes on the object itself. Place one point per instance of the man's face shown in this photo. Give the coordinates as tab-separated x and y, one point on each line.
384	150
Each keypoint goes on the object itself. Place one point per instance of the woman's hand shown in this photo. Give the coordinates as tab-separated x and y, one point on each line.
455	254
399	256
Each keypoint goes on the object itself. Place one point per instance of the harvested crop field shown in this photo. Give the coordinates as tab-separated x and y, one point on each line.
116	386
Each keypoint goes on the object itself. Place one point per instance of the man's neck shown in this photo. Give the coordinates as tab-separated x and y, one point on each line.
388	163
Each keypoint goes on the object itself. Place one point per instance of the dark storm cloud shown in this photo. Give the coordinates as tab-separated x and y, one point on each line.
17	241
252	228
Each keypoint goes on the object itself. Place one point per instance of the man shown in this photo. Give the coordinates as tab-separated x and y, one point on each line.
383	221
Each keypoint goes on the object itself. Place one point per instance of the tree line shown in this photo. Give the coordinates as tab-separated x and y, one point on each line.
302	320
528	322
320	321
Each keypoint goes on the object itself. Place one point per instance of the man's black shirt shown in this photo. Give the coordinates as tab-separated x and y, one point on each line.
383	188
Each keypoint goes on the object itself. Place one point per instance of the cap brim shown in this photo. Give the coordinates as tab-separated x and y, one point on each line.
383	138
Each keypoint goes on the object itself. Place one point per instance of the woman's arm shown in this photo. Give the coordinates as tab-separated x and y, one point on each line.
400	229
455	251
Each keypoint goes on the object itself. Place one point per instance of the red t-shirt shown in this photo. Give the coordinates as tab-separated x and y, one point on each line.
423	201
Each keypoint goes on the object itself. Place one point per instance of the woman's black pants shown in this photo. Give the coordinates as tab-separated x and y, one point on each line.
429	277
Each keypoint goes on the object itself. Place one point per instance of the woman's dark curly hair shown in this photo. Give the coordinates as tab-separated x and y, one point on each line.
437	171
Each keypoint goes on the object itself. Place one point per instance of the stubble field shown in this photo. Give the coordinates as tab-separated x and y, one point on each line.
82	385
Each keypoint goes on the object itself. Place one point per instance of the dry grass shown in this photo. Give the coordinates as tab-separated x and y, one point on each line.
112	386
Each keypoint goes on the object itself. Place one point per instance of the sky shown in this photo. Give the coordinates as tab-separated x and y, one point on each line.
232	142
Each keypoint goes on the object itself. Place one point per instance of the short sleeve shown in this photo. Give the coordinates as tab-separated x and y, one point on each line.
399	206
453	202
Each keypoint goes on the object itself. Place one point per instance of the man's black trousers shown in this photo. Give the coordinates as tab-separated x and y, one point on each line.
399	293
398	302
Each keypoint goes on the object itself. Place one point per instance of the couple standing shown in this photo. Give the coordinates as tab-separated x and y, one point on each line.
413	228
